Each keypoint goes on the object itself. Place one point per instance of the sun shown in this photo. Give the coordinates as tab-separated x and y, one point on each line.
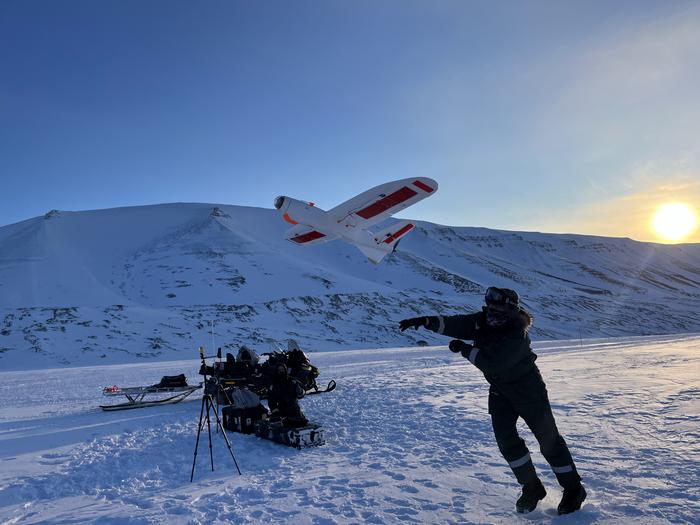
674	221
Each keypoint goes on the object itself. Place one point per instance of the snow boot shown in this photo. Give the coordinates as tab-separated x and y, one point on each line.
533	492
571	500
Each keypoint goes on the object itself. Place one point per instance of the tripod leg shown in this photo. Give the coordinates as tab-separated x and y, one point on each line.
210	405
196	446
216	409
228	443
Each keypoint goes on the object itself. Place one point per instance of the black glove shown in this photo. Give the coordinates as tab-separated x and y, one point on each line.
414	322
460	346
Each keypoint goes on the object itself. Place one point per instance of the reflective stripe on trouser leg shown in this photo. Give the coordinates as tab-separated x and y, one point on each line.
511	445
559	458
520	461
567	475
562	470
523	469
553	445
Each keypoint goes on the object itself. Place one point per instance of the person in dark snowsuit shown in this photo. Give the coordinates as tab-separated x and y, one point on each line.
502	351
283	399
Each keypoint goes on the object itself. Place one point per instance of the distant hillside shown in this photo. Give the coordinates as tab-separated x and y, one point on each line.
153	282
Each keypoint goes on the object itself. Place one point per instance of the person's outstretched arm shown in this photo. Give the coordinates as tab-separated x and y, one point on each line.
457	326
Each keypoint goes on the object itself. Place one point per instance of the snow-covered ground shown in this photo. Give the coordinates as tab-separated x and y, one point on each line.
408	441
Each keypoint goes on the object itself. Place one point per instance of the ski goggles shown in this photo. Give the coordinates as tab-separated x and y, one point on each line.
496	296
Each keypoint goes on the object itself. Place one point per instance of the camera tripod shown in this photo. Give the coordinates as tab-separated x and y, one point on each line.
204	418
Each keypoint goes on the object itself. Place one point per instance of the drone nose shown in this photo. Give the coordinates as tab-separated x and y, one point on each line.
279	201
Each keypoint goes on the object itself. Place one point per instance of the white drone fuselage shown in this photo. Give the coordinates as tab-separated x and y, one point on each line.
307	213
350	221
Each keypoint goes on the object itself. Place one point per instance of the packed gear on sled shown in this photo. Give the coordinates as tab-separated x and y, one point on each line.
241	397
172	381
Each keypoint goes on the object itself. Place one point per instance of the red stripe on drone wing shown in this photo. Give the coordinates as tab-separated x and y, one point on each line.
398	234
386	203
423	186
307	237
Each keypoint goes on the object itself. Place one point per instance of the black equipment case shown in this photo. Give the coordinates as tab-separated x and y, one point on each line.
310	435
243	419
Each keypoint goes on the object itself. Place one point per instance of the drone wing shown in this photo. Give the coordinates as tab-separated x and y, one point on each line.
381	202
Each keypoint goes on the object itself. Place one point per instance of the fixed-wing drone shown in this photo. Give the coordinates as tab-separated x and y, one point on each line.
350	220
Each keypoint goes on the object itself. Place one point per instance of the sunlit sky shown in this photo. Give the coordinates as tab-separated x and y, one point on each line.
553	116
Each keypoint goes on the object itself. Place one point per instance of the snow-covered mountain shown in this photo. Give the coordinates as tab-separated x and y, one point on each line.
158	281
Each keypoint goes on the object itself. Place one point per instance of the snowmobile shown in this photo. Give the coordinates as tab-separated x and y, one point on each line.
282	378
248	370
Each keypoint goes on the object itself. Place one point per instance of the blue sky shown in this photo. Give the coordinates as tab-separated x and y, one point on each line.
549	116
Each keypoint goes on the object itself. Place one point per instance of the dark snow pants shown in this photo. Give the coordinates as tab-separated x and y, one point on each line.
527	398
